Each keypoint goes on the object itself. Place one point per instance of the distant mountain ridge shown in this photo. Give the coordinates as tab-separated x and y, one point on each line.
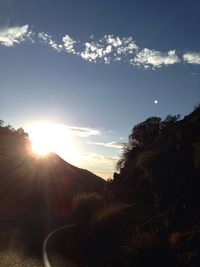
28	182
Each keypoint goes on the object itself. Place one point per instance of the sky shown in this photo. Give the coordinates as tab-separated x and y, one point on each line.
94	69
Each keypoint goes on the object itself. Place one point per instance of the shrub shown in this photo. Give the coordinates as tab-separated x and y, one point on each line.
186	246
85	205
106	235
196	155
144	241
148	248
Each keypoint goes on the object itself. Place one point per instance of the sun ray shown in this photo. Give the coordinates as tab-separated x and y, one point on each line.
49	137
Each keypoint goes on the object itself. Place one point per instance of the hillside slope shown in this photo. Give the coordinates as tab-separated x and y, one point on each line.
160	167
30	183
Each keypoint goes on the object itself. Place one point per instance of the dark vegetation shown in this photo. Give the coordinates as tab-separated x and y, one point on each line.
147	215
36	196
31	183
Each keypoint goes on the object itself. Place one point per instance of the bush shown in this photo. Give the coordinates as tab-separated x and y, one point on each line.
148	248
106	235
186	246
85	205
144	241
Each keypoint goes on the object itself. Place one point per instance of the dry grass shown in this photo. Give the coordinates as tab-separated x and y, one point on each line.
16	258
109	212
85	205
145	241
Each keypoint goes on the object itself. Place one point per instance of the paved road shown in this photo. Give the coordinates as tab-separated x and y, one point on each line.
16	258
21	240
45	252
15	251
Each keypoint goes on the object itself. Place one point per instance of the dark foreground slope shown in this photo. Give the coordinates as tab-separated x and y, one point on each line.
159	171
30	183
158	182
160	167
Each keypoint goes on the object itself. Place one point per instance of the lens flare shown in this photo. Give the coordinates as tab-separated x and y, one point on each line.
49	137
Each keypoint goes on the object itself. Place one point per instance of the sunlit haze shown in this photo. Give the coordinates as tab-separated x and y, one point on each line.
49	137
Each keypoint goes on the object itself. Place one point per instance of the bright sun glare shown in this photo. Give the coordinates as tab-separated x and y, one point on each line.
49	137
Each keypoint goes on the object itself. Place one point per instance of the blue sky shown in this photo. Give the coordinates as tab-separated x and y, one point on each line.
97	67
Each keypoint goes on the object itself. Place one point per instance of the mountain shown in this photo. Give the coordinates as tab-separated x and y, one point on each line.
31	183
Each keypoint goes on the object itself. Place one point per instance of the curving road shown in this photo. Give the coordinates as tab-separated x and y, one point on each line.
46	260
15	250
21	239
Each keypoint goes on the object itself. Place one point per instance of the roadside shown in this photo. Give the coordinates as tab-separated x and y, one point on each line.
54	254
21	239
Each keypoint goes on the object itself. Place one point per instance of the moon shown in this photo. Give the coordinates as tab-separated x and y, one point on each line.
155	101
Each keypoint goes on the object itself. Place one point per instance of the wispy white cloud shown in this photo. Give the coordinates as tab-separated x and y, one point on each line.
114	144
123	45
151	58
109	48
96	51
192	57
47	39
99	157
82	131
45	127
14	35
68	44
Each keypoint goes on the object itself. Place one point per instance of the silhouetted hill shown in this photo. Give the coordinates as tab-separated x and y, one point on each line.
158	182
160	166
44	183
31	183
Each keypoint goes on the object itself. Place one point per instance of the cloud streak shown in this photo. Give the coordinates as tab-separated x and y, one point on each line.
62	128
14	35
99	157
108	49
68	44
82	131
151	58
114	144
47	39
192	57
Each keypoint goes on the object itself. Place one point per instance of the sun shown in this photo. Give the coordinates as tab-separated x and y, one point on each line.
49	137
41	142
